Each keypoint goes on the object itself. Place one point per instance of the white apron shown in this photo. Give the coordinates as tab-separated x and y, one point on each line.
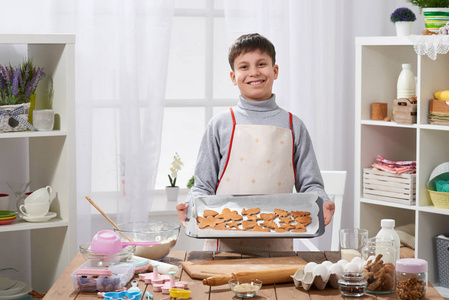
260	161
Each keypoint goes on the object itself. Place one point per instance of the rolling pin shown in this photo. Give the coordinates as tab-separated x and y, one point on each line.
266	276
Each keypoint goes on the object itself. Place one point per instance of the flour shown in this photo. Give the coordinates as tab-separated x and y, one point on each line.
155	252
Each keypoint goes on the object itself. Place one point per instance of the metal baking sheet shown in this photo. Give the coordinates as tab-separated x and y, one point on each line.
266	203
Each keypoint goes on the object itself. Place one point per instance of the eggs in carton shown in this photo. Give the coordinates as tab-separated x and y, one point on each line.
326	272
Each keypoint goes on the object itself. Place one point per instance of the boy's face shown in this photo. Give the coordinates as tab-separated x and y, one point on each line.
254	74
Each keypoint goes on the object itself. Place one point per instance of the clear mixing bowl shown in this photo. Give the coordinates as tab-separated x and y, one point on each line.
122	256
151	231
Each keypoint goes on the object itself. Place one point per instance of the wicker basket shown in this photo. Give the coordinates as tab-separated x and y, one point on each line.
9	124
439	199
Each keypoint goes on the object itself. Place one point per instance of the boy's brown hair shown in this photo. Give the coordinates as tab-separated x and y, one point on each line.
248	43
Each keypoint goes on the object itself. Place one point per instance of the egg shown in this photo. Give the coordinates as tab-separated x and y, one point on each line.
352	267
309	267
357	260
336	269
320	270
327	264
342	262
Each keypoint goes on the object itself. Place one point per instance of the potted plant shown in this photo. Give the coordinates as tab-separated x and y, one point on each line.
172	190
191	182
17	88
436	13
403	19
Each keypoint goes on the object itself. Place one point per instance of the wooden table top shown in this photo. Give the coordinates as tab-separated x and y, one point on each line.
63	287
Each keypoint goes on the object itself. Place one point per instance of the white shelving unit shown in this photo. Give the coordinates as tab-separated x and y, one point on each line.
378	64
51	157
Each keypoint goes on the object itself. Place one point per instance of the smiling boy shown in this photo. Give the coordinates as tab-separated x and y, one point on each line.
271	149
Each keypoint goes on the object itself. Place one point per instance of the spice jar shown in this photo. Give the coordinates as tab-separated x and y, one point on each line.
379	258
411	278
352	284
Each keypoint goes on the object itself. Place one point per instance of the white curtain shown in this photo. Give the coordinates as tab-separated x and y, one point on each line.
315	50
121	66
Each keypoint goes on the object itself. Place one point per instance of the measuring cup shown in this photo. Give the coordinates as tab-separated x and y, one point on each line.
108	242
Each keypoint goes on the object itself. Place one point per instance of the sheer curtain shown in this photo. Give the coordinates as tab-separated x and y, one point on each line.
315	48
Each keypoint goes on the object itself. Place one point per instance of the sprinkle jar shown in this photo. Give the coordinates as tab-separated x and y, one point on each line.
352	284
411	278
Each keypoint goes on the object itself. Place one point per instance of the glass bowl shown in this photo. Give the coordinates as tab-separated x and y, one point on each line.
123	256
151	231
245	288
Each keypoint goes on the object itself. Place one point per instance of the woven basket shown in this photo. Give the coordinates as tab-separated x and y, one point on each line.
439	199
6	124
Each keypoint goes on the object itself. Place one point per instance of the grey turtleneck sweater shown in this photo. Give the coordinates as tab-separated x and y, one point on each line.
214	147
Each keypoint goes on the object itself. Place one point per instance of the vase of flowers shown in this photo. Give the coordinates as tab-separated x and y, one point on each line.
403	19
436	13
172	190
17	89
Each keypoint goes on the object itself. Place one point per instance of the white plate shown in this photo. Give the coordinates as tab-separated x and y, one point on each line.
23	292
47	217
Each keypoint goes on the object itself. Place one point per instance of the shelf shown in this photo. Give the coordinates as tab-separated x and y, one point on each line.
24	225
385	123
434	127
383	40
32	134
37	39
444	292
433	209
385	203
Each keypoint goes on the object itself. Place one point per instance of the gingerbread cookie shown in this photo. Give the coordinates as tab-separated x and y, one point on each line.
221	226
251	211
267	217
299	228
280	230
248	224
233	224
286	220
254	218
270	224
281	213
287	227
296	214
206	222
209	212
304	220
260	228
227	215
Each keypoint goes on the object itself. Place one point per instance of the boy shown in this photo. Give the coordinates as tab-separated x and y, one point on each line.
271	149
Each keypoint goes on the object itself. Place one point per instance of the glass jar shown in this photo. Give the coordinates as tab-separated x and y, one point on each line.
411	278
379	260
352	284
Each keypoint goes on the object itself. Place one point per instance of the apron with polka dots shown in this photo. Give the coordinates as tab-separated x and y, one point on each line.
260	161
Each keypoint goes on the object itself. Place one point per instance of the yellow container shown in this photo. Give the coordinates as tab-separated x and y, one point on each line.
439	199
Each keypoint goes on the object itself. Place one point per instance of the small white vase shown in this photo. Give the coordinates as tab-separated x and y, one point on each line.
172	193
403	28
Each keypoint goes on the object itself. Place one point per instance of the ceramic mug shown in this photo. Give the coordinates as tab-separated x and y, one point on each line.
38	209
42	195
43	119
4	202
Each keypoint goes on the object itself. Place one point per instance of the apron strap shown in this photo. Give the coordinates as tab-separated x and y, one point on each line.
293	144
230	147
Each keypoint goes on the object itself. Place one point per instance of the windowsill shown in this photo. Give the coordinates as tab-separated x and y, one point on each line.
107	201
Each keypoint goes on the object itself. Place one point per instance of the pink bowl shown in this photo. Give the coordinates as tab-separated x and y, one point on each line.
106	242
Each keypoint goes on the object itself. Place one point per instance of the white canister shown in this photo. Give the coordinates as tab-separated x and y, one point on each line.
406	85
387	231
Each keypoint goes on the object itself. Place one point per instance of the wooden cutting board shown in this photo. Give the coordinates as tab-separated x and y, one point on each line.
283	267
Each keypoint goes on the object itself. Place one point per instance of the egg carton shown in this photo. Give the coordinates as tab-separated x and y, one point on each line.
319	275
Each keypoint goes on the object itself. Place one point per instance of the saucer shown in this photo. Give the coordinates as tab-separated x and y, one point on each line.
4	222
47	217
20	294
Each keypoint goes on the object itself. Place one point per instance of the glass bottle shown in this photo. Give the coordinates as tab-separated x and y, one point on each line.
387	231
379	265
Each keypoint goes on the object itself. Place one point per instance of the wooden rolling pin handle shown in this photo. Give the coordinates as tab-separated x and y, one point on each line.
216	280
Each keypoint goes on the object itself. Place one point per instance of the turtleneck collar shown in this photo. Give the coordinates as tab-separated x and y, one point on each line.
266	105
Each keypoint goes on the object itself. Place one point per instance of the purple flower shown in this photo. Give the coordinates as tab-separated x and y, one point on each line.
402	14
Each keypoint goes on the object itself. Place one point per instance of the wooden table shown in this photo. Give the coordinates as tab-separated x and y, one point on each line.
63	287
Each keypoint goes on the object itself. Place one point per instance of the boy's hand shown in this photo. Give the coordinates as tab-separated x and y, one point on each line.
181	208
328	211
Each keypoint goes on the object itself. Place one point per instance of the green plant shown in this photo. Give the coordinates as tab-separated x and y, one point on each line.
176	165
191	182
429	3
18	83
402	14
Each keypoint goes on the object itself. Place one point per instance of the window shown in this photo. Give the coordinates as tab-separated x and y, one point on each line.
198	83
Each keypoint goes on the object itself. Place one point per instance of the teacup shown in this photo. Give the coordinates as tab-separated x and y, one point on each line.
4	202
42	195
39	209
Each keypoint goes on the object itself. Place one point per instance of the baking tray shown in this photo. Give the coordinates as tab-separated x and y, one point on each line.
267	203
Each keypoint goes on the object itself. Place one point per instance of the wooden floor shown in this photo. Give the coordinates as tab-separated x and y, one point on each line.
63	288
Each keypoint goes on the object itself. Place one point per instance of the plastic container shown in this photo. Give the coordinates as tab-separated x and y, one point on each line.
352	284
379	259
406	85
387	232
411	278
91	279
